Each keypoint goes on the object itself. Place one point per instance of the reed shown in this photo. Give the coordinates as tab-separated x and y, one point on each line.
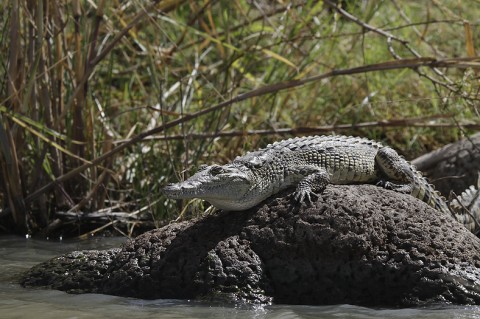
103	102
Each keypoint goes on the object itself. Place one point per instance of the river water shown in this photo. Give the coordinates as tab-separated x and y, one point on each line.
18	254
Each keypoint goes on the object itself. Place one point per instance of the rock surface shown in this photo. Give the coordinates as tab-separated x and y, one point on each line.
453	167
357	244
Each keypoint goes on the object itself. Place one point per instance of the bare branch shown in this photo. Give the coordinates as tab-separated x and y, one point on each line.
269	89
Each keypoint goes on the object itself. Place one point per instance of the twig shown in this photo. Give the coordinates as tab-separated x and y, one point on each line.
166	6
361	23
398	57
91	193
467	210
414	122
390	37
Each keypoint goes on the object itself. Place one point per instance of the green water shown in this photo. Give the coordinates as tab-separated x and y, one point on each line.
18	254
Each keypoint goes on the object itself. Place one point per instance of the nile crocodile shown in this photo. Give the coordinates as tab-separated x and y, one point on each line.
311	163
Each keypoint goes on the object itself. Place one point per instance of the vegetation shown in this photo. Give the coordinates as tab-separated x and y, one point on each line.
103	102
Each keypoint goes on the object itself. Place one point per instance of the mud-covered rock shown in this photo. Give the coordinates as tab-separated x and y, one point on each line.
357	244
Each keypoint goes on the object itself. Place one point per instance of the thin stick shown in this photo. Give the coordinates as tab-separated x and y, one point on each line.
308	130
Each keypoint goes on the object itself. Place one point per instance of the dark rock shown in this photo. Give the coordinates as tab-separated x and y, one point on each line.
75	272
453	167
358	244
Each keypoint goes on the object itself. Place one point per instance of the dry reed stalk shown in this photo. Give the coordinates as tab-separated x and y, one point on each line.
469	44
79	100
42	97
11	177
469	39
8	136
89	128
54	119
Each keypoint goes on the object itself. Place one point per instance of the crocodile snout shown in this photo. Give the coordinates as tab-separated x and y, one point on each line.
170	190
180	190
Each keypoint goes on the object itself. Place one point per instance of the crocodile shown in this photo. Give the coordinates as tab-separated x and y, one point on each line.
310	163
468	204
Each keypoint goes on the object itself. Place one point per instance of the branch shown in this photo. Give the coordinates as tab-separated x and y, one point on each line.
274	88
407	122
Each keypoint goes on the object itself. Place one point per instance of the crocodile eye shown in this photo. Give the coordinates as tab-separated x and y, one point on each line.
202	167
215	170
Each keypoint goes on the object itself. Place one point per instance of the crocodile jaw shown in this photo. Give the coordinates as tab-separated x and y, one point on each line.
226	187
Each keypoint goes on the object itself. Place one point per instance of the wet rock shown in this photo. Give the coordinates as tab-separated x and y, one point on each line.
357	244
75	272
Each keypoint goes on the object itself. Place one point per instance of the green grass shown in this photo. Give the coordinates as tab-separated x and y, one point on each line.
195	55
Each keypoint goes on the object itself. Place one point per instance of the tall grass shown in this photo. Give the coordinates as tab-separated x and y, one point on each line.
103	102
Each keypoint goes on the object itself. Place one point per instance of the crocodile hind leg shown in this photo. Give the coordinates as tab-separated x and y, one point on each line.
396	173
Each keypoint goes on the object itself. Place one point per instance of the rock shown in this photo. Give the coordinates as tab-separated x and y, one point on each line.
75	272
453	167
357	244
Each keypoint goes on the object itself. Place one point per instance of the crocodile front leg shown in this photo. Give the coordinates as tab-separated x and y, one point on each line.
315	181
397	173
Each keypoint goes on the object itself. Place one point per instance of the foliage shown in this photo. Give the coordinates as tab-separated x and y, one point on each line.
104	102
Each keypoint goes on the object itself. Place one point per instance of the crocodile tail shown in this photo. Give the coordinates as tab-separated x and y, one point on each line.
426	192
466	207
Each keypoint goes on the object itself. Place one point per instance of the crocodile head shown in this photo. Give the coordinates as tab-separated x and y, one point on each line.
227	187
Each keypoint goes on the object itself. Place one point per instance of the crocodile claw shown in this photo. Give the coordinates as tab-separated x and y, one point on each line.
302	196
401	188
385	184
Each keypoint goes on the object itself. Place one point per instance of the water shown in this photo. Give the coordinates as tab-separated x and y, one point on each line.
18	254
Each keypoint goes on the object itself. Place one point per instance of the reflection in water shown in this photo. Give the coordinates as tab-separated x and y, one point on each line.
18	254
